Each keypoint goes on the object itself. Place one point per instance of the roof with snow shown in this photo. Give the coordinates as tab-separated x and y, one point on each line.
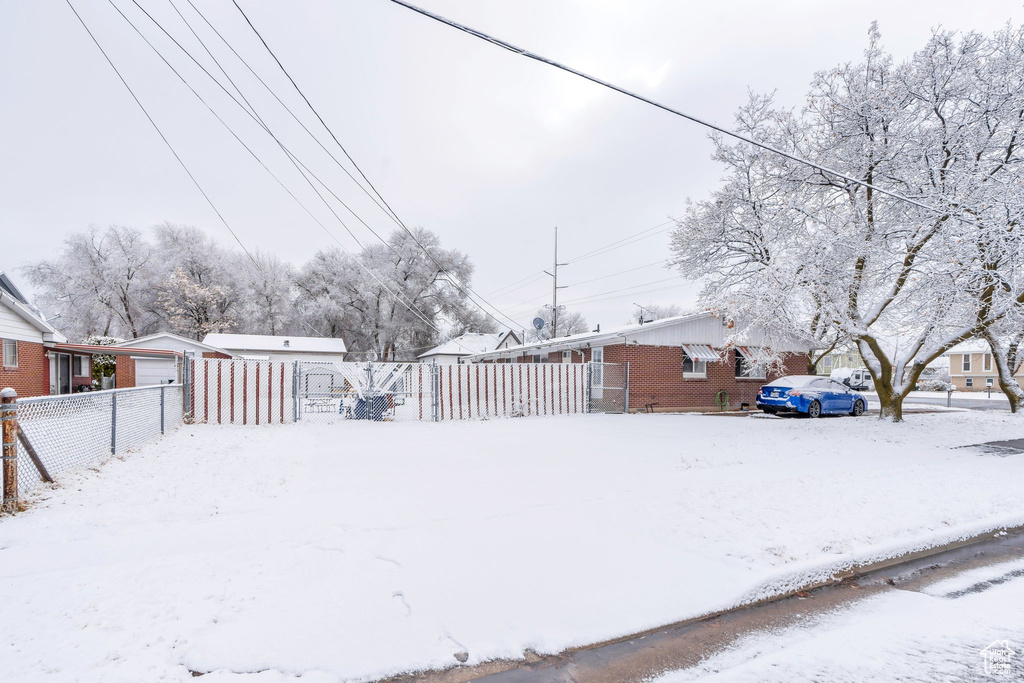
692	328
11	297
153	341
468	344
970	346
279	343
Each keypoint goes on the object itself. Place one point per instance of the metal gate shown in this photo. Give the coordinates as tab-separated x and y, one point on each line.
608	388
381	392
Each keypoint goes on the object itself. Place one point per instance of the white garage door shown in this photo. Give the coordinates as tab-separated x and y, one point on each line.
150	371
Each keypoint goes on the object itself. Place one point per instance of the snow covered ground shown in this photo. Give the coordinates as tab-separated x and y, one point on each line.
356	550
934	635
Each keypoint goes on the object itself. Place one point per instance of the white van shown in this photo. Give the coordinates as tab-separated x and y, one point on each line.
858	379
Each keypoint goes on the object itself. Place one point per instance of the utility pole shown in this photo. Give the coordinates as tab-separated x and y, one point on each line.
555	288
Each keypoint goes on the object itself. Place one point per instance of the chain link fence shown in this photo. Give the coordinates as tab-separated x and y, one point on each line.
608	388
381	392
68	432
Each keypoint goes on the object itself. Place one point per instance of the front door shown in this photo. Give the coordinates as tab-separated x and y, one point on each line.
63	373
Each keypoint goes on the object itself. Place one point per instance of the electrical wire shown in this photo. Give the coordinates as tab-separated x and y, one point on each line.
408	304
462	287
180	161
724	131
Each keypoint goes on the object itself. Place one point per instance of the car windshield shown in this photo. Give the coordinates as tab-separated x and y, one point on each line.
793	381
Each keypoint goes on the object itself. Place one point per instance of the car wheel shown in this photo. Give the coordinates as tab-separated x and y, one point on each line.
814	410
858	408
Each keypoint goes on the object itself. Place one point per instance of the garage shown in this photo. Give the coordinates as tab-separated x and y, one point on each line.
150	371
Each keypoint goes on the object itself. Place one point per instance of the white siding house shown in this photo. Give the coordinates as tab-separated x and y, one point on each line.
456	350
279	348
151	371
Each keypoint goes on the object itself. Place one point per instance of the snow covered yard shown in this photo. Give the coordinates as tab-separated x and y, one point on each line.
358	550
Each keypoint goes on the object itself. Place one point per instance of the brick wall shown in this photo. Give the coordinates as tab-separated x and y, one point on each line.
125	372
32	376
656	376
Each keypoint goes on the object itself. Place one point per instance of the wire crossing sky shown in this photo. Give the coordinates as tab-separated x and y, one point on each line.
489	153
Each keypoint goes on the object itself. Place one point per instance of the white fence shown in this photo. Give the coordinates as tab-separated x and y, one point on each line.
246	392
261	392
71	431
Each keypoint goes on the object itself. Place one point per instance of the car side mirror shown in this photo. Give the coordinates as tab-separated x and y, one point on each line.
847	381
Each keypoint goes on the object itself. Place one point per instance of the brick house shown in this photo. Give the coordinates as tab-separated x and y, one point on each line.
675	364
972	368
37	360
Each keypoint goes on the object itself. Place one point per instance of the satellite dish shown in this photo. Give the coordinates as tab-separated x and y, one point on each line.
538	323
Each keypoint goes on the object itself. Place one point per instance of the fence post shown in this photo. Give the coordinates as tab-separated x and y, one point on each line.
588	397
627	387
296	383
9	429
113	423
435	391
161	409
186	389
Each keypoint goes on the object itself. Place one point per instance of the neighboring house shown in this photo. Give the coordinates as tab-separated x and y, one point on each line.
456	350
37	360
837	360
972	368
675	364
279	348
145	369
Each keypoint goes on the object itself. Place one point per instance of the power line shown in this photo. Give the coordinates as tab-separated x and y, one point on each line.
623	289
205	195
611	86
160	132
621	272
464	288
625	241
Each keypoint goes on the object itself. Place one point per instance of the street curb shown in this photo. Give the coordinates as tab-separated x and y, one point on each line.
460	674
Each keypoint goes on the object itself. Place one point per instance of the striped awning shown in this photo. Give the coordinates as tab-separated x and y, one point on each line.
701	352
755	354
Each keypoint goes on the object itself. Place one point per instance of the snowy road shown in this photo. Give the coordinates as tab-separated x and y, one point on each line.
936	632
354	551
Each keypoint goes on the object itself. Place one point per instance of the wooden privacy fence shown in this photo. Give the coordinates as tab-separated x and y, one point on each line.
246	392
264	392
510	390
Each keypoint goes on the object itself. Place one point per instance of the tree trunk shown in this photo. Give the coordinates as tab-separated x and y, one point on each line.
1007	382
890	401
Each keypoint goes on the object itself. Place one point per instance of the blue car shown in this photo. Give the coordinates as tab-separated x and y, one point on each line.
811	395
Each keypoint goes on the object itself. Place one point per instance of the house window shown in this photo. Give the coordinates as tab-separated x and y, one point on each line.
536	358
969	382
566	356
10	353
967	362
986	363
827	364
597	360
694	368
81	366
990	381
745	368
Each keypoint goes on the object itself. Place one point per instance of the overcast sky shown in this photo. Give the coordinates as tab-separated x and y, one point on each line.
487	149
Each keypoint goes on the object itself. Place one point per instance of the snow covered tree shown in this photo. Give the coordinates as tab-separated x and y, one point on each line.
789	250
390	299
98	284
191	309
265	295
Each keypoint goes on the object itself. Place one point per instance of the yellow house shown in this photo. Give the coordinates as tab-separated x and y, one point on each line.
972	367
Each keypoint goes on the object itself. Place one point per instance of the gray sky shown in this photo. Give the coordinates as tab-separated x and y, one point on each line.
487	149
